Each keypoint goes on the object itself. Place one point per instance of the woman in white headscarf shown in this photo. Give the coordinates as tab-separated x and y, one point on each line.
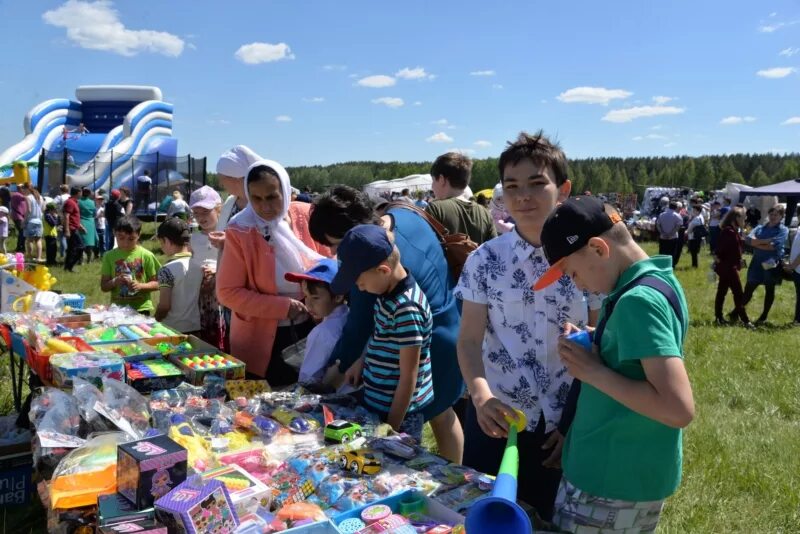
502	219
260	248
231	169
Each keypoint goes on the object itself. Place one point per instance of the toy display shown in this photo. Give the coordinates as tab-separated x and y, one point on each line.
208	448
148	469
198	507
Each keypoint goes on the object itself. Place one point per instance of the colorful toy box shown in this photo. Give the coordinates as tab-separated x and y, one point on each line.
198	366
130	351
151	375
115	508
197	507
247	493
147	331
140	526
91	366
149	468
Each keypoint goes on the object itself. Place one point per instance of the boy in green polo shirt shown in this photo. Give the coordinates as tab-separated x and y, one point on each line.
623	452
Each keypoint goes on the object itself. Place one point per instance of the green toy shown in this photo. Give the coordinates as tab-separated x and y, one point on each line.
341	431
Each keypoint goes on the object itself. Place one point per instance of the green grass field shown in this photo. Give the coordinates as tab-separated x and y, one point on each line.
741	453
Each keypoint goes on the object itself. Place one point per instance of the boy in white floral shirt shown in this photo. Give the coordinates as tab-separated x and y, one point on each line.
508	342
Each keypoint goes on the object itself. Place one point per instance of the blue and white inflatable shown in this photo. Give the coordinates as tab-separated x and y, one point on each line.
121	124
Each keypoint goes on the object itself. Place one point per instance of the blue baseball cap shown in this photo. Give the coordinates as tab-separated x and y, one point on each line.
323	271
363	247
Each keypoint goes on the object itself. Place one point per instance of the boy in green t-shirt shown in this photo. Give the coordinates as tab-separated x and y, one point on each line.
130	271
622	455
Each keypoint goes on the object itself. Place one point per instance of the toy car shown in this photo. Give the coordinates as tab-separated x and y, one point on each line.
361	461
342	431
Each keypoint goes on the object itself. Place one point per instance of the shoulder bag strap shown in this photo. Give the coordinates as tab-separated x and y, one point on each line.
440	230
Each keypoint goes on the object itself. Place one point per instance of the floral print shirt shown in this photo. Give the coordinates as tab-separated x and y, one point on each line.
520	346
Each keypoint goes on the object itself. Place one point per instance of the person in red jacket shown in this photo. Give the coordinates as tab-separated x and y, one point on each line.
727	265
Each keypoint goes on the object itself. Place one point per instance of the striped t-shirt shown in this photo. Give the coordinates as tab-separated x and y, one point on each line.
403	318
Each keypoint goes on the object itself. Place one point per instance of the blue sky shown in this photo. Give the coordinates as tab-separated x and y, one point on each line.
322	81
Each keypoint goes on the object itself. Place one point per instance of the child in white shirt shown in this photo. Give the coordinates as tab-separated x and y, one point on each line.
327	308
178	285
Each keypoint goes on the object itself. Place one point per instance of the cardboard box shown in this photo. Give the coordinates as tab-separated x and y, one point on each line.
195	375
91	366
130	351
247	493
149	468
115	508
140	526
152	375
197	507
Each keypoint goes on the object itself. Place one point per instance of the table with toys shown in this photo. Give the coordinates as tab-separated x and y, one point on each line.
136	428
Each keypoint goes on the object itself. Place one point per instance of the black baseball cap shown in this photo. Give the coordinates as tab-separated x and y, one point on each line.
569	228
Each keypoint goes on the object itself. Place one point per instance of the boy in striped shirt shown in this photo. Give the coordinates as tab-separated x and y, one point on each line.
396	369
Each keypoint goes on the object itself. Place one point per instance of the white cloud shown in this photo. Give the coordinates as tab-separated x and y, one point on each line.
314	99
776	72
789	52
667	145
440	122
735	119
769	28
497	86
661	100
791	121
96	26
255	53
482	144
334	67
283	118
592	95
389	101
417	103
440	137
417	73
482	73
629	114
657	127
650	137
377	81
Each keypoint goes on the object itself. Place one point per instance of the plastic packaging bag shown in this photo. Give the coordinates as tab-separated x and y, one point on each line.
87	472
125	407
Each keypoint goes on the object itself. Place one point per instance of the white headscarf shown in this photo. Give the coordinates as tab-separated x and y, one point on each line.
236	161
291	254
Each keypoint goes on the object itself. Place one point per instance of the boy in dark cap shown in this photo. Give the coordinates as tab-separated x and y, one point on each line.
623	452
397	365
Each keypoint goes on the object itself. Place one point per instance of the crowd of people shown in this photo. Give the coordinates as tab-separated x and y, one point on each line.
379	308
728	230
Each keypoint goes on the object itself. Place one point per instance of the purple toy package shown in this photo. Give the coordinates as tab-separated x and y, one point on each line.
149	468
197	507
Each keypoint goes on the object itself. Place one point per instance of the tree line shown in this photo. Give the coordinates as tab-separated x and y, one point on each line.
599	175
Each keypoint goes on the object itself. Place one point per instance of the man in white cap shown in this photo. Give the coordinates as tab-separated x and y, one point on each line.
231	170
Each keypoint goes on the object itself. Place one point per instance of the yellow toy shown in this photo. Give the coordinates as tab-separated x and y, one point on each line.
20	174
39	277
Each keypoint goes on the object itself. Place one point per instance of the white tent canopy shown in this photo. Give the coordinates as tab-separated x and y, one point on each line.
415	182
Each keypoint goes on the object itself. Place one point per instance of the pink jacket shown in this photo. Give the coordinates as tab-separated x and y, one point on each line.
246	285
